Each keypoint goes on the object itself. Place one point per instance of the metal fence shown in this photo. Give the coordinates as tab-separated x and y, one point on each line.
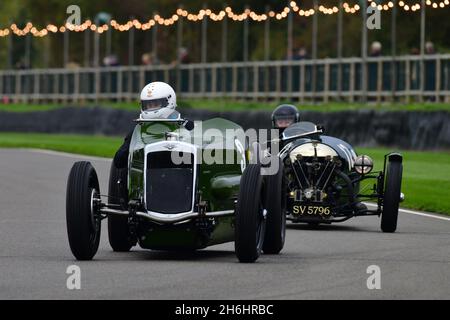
403	78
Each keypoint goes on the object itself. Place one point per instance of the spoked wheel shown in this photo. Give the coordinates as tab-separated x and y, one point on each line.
276	212
250	215
391	199
118	230
82	211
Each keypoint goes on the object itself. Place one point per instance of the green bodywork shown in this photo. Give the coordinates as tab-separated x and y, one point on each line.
217	184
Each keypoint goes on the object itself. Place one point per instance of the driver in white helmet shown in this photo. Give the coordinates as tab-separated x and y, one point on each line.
158	101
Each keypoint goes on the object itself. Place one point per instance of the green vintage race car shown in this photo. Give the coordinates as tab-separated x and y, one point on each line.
173	197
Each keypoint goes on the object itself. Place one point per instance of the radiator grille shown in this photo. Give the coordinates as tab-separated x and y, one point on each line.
169	186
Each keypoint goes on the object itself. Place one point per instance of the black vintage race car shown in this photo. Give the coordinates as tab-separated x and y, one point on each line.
325	180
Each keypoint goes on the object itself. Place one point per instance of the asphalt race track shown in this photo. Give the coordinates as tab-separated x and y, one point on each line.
326	263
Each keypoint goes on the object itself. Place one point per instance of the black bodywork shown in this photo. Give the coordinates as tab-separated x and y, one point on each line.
321	181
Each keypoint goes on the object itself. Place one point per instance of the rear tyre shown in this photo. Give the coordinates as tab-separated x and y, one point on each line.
118	230
276	212
391	199
250	220
82	214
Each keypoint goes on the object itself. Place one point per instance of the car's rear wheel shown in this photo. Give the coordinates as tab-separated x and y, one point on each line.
118	229
250	217
276	212
391	199
82	213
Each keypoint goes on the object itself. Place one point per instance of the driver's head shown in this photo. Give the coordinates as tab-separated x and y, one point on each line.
158	100
284	115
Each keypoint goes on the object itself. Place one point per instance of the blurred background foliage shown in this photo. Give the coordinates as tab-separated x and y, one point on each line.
43	12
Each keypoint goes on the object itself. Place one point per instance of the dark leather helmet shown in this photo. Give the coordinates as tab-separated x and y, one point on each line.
284	115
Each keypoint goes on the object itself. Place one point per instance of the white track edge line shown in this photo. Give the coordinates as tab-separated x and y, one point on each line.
418	213
64	154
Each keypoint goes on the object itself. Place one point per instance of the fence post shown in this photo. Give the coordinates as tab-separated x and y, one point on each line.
224	52
364	53
10	51
314	51
379	80
213	80
267	36
204	51
87	47
326	88
302	82
55	88
245	53
36	86
119	84
394	52
339	50
155	40
407	80
278	81
131	45
255	81
191	80
96	49
438	78
422	50
234	82
267	50
97	84
352	82
18	86
76	83
179	45
224	38
290	20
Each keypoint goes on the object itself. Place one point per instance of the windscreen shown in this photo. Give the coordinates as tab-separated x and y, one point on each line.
299	128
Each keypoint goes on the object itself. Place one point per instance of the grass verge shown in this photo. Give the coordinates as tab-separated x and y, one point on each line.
426	175
232	105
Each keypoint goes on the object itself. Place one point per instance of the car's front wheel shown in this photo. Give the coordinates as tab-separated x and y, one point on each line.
276	212
82	214
391	199
250	215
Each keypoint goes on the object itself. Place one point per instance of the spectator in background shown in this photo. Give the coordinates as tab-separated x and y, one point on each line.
21	65
375	49
429	48
300	54
111	61
147	59
183	55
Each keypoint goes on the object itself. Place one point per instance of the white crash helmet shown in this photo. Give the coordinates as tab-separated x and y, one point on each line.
158	101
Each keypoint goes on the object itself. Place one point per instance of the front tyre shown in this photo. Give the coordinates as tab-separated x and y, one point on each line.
276	212
391	199
250	219
82	213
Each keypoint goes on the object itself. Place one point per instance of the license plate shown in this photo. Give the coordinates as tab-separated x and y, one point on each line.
311	210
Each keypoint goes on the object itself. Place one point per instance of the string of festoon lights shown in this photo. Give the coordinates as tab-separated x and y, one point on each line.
213	16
